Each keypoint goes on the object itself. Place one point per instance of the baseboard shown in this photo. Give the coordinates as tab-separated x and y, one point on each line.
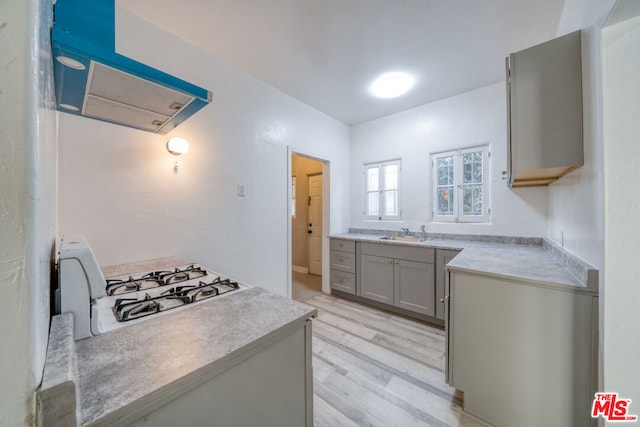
298	269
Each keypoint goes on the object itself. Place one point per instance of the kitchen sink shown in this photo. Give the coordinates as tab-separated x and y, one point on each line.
404	238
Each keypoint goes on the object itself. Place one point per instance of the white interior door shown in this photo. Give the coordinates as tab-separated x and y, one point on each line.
315	224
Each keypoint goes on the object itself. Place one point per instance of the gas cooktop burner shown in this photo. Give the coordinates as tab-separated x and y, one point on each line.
153	280
134	308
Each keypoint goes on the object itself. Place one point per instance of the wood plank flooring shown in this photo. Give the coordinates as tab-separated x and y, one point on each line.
374	368
305	286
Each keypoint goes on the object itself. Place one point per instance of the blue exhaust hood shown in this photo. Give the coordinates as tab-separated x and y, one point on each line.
92	80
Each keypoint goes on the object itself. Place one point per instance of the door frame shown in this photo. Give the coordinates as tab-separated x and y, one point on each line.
326	194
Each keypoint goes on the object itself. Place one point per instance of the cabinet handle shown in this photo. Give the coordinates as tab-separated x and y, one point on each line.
390	261
395	262
442	300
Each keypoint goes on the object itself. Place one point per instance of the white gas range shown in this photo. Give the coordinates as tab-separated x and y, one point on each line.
100	305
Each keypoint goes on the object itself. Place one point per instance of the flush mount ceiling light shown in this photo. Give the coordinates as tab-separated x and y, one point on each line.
177	145
70	62
391	85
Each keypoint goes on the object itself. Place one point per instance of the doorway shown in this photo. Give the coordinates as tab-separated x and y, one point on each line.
307	226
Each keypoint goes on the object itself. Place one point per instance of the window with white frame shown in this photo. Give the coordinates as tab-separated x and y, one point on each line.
461	185
382	190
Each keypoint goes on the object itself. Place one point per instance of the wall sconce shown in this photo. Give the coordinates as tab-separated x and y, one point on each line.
177	146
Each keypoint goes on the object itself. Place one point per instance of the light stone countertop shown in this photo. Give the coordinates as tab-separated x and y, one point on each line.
139	365
542	264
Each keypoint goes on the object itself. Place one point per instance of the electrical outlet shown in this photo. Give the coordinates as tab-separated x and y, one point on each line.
241	190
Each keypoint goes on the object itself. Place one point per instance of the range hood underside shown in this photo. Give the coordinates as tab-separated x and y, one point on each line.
119	97
92	80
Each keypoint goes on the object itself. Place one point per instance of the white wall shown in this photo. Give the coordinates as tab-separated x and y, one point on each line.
622	201
27	202
119	188
472	118
576	201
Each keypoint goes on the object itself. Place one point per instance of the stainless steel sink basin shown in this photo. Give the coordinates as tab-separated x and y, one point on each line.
404	238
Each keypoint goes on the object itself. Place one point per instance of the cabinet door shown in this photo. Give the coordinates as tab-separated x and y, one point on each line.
533	341
377	278
414	286
443	256
544	86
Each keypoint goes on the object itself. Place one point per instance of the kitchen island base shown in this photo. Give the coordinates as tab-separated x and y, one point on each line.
270	388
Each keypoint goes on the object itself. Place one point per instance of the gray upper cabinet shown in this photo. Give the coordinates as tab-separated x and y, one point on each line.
544	109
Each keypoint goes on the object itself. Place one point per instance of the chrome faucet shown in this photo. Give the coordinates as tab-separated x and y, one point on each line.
423	228
405	230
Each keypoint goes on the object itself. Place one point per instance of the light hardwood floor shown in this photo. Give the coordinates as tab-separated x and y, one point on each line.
374	368
305	286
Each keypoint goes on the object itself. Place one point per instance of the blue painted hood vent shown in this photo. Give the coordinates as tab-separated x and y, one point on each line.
92	80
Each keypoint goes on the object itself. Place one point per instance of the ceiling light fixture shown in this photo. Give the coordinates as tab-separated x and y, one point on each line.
391	85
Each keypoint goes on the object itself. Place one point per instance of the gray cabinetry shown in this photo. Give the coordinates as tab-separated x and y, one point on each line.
537	342
401	276
443	256
414	286
271	387
544	109
376	278
343	265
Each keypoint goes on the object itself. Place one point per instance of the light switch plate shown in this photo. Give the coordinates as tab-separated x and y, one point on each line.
241	190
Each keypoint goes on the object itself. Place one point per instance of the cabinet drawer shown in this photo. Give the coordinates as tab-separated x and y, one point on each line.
341	281
410	253
343	245
344	261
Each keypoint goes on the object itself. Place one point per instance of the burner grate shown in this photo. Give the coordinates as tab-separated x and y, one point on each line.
154	279
133	308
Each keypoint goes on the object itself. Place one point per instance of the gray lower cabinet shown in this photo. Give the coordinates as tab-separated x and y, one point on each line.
273	387
343	265
345	282
376	278
443	256
401	276
523	354
413	288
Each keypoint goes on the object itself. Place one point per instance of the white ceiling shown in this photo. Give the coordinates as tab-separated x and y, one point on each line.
326	52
